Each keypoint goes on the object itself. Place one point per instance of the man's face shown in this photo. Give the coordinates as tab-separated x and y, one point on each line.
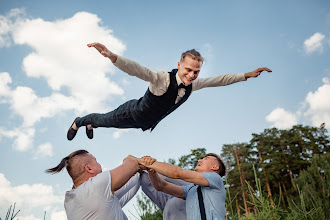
95	165
207	164
188	70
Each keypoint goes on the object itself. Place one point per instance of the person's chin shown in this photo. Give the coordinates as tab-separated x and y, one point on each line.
187	83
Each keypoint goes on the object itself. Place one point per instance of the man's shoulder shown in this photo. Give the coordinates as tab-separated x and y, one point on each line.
213	178
163	72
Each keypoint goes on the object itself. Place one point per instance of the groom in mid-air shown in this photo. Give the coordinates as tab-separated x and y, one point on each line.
166	92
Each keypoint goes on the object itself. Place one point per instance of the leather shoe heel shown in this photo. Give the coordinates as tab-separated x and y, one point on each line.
71	132
89	133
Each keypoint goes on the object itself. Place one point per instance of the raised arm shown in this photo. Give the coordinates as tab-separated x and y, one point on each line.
121	174
161	185
175	172
157	197
104	51
128	191
131	67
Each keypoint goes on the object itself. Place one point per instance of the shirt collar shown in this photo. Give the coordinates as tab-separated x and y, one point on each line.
178	80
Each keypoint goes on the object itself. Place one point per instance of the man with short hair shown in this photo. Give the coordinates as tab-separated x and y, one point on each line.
96	194
206	177
166	92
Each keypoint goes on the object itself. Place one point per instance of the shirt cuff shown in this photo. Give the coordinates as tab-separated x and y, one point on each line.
119	62
241	76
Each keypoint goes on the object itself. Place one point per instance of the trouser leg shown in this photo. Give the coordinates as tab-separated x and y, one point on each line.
118	118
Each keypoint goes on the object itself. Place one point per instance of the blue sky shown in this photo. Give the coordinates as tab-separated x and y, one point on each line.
48	76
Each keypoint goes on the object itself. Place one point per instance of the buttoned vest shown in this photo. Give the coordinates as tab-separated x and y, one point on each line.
150	109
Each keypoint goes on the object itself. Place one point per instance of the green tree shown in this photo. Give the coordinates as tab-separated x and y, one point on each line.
239	166
314	183
147	209
190	161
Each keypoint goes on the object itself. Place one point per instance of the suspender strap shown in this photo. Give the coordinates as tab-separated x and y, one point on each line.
201	203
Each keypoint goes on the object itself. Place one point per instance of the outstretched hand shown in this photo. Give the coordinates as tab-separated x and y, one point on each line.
104	51
256	72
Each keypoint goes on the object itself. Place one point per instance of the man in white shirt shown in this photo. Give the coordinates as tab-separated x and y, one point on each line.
96	194
166	92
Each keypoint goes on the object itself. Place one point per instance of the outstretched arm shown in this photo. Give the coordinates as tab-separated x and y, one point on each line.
174	172
128	191
226	79
157	197
121	174
256	72
161	185
131	67
104	51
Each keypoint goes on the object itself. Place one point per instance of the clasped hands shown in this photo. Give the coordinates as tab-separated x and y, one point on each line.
144	162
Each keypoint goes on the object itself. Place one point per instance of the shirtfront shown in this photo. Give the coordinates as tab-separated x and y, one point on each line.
214	197
94	200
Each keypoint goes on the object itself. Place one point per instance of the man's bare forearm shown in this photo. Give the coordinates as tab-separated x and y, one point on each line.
166	169
157	182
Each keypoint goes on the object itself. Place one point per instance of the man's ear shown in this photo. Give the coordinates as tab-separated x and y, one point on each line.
215	168
89	169
179	65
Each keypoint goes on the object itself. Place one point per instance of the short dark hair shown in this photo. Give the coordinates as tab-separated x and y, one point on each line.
222	169
194	54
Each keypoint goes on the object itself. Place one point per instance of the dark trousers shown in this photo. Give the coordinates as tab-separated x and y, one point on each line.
121	117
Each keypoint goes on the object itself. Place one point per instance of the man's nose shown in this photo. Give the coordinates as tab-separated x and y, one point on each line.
191	74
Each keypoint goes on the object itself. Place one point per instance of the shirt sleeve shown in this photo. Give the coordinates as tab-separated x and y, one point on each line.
102	185
128	191
134	69
186	189
214	180
221	80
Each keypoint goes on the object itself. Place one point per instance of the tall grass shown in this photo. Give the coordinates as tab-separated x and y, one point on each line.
11	213
263	209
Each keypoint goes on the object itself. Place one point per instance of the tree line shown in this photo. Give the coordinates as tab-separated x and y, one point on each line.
278	174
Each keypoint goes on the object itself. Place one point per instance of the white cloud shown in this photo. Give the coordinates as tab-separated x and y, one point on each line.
32	108
314	43
23	137
319	105
5	91
6	26
27	197
58	216
315	110
44	150
207	53
61	57
118	133
30	217
281	118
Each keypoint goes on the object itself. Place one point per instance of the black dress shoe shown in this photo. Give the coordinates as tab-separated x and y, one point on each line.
71	132
89	133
